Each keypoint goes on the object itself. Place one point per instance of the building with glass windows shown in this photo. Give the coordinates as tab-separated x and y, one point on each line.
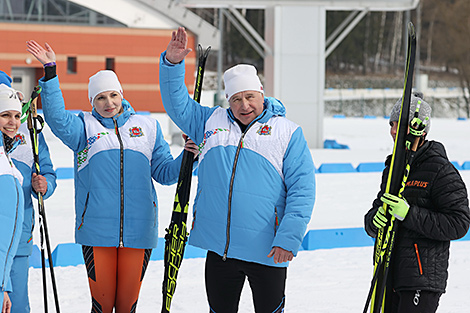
86	41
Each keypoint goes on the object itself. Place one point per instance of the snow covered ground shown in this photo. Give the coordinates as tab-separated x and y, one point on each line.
330	280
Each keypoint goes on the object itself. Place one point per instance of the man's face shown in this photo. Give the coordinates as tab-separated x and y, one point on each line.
247	105
393	129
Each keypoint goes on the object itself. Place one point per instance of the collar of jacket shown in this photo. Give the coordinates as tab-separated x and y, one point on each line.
9	144
272	107
121	119
429	149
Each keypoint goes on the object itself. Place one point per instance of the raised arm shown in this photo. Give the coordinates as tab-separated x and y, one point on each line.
65	125
177	48
187	114
44	55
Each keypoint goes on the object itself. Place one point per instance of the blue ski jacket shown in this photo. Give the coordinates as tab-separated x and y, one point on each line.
256	189
115	161
11	215
23	159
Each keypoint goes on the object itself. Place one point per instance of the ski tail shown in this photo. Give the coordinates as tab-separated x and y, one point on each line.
397	174
177	234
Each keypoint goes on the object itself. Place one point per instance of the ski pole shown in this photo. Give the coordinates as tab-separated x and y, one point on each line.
33	119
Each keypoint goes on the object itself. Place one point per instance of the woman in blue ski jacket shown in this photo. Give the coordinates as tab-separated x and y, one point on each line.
45	183
117	154
11	195
256	183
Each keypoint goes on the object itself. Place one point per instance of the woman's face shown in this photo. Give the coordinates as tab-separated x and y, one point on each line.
10	121
108	103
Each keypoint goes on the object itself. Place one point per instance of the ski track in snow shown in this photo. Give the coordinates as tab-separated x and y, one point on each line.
330	280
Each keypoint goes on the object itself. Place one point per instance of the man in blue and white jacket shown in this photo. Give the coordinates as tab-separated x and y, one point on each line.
45	183
256	186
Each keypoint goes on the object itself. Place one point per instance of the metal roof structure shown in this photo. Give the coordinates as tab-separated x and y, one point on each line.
337	5
161	14
294	46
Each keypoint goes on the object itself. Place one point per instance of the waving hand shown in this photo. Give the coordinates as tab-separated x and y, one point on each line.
44	55
177	48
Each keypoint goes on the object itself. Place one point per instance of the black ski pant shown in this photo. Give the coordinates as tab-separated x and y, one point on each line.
413	301
225	279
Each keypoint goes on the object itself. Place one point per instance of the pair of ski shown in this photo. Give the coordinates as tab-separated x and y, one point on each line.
401	162
35	126
177	234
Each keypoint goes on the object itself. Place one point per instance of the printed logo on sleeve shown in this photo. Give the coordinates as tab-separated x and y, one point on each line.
209	134
82	156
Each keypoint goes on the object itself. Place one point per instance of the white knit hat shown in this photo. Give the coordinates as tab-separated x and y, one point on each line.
9	100
105	80
241	77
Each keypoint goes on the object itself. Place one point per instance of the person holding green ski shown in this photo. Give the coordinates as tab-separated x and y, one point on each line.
432	210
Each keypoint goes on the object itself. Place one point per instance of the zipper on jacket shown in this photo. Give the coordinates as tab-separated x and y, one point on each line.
13	235
419	260
232	178
84	211
276	221
121	148
32	228
156	215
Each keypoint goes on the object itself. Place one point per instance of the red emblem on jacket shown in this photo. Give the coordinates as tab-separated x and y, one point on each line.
264	130
20	138
136	132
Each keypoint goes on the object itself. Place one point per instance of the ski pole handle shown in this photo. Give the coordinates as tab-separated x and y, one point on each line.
34	99
30	108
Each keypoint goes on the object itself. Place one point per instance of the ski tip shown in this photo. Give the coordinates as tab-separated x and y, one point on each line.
202	55
208	49
411	30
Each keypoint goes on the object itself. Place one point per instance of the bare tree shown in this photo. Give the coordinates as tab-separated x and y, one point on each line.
365	50
453	38
378	54
430	11
396	41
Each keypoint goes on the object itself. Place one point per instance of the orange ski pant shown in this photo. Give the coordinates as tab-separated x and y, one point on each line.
115	276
